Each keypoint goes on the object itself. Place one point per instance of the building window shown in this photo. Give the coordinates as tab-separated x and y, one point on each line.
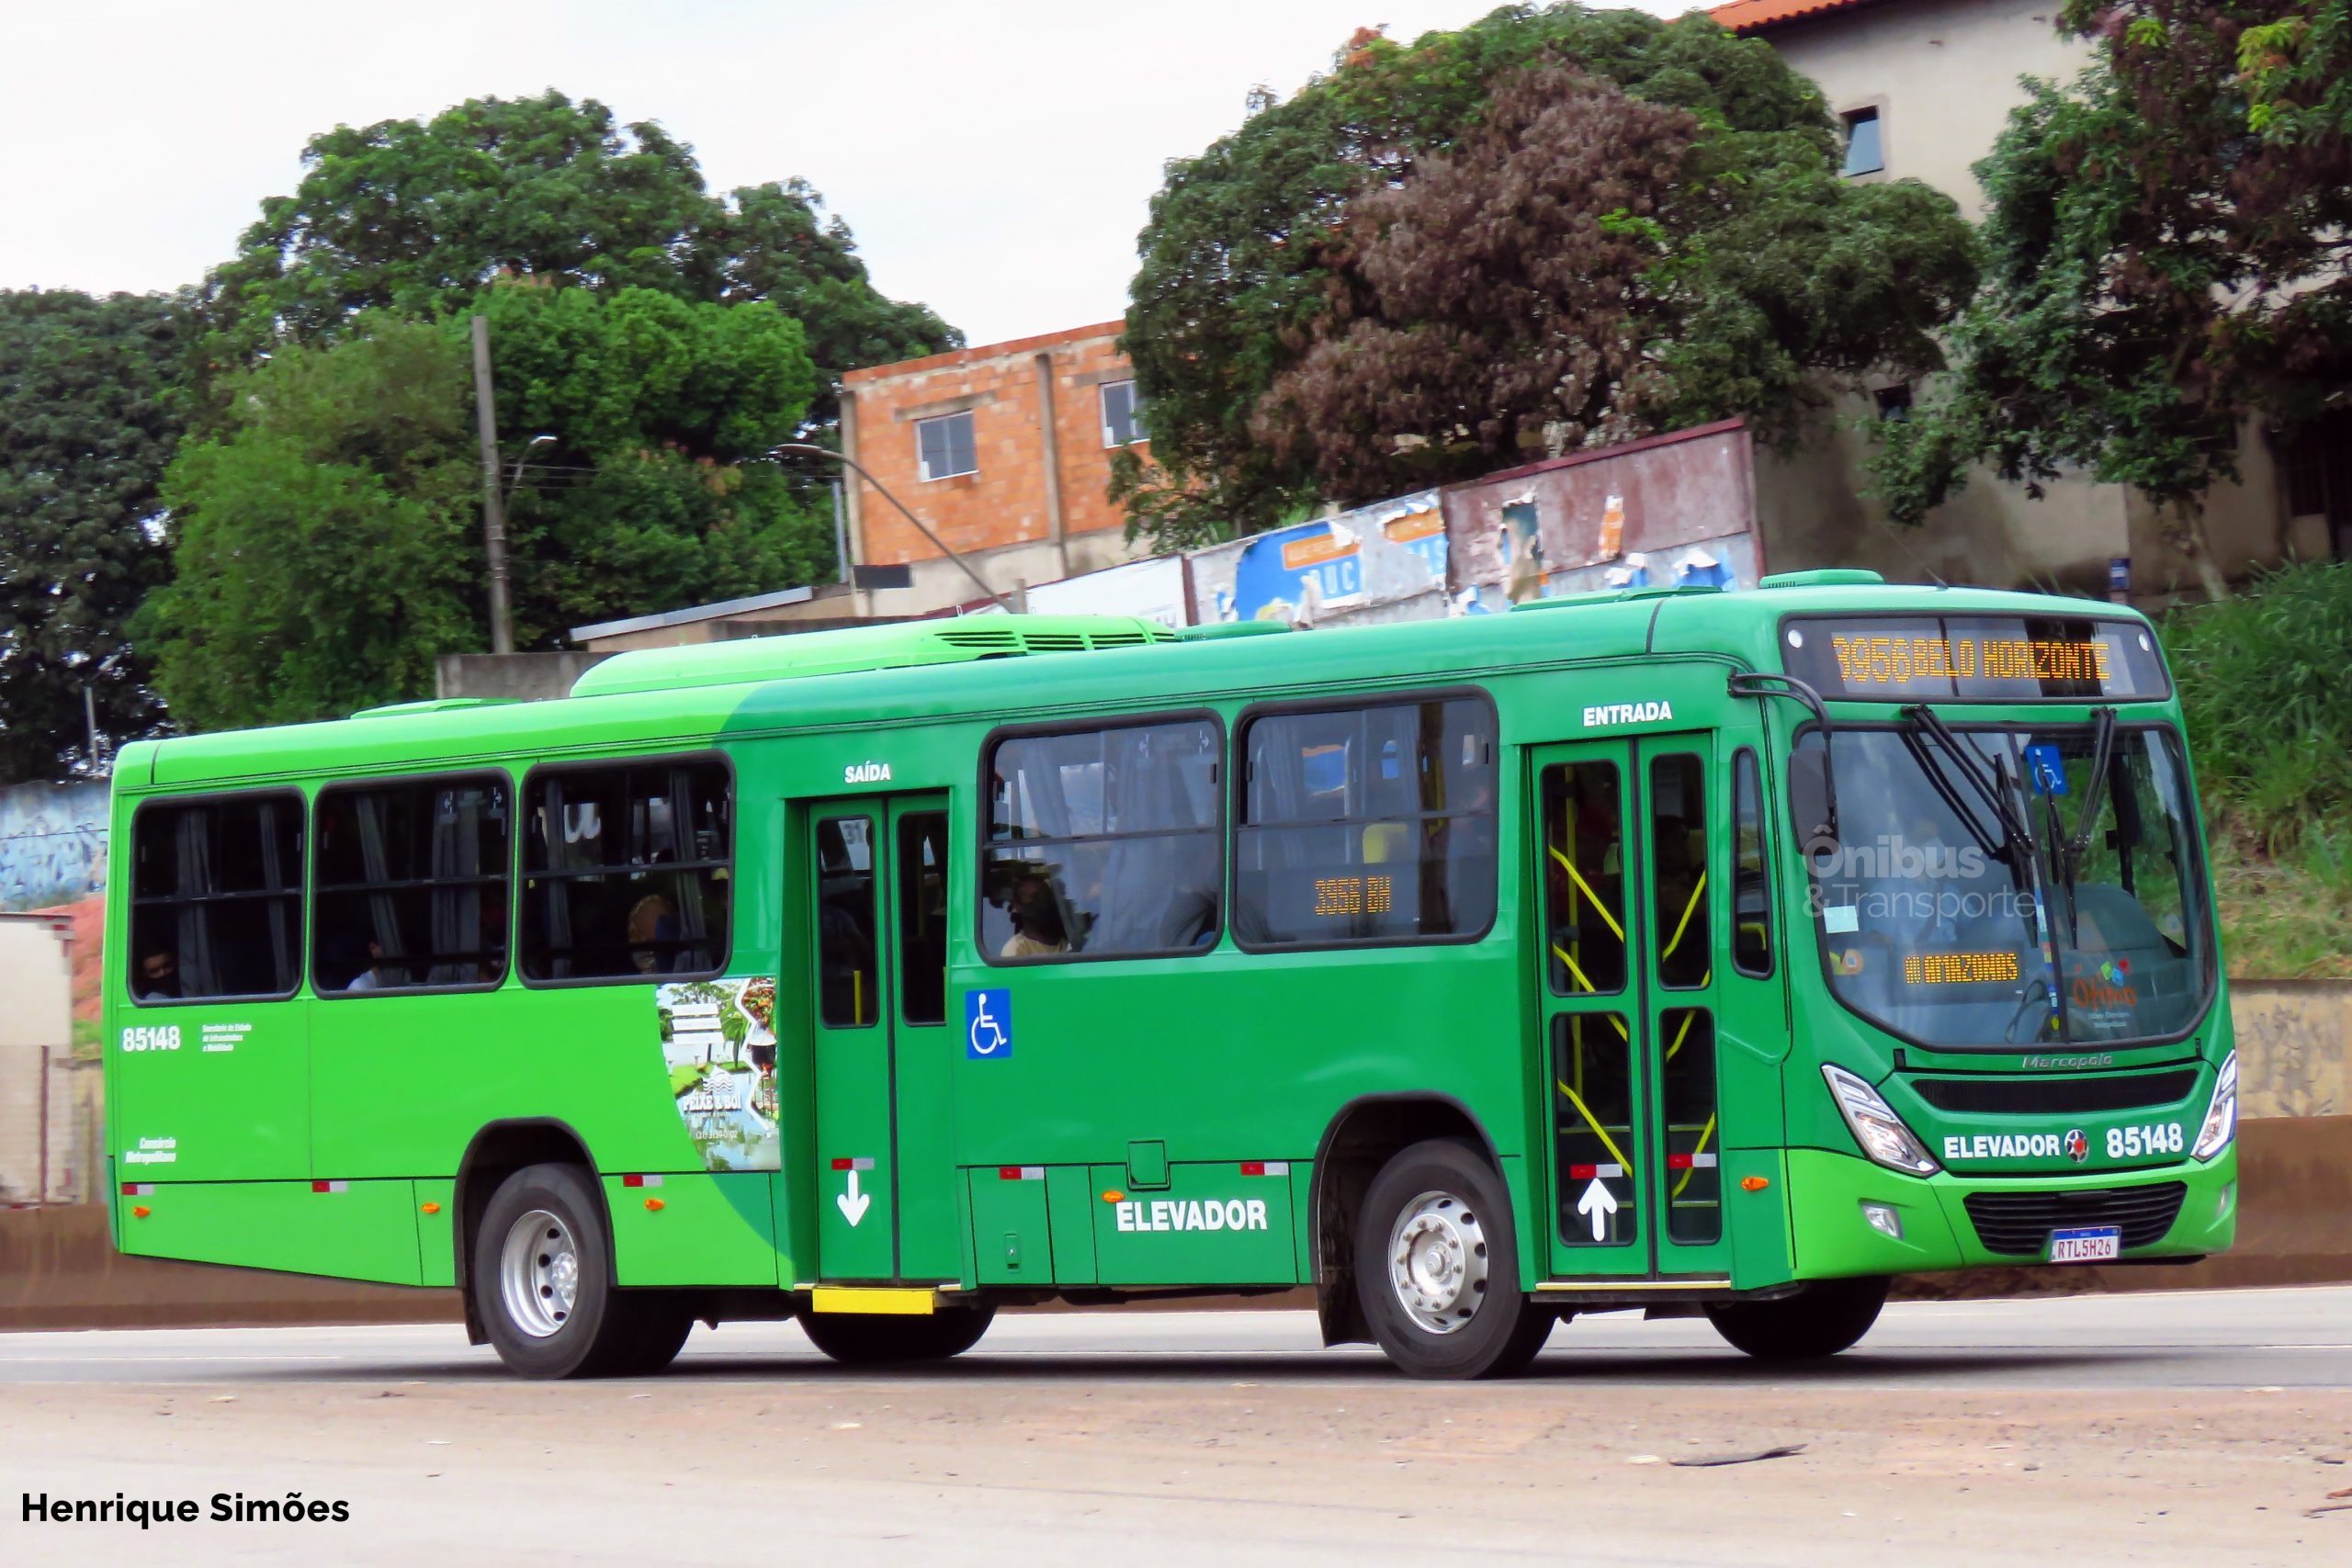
1103	843
627	872
2318	475
412	886
216	898
1122	413
1865	148
944	446
1364	825
1893	403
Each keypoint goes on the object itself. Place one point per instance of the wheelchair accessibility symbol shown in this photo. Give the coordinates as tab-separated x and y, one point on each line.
988	1025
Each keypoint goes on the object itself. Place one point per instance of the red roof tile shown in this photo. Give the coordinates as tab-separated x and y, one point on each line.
1758	16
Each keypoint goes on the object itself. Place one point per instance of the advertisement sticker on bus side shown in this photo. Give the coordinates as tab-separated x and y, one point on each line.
718	1044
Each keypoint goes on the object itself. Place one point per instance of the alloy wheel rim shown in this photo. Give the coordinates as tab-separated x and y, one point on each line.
1438	1262
539	1273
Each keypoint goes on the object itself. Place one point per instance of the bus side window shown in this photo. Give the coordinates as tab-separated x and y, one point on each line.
627	870
1751	890
922	917
410	890
1371	823
215	907
1103	843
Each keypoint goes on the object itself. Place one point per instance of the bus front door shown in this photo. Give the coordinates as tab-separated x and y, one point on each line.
1628	988
876	892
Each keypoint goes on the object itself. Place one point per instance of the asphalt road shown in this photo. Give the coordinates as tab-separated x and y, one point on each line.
2207	1428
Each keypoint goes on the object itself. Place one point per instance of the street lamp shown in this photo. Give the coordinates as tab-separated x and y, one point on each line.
938	544
532	446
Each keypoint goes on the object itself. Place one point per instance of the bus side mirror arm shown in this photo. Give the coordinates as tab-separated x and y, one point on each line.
1759	684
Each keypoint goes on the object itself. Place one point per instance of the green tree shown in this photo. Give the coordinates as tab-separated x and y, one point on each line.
88	417
1299	285
2296	59
416	217
327	538
655	491
320	546
2158	273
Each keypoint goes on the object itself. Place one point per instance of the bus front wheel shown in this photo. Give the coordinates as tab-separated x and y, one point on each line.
1825	1317
542	1280
877	1338
1437	1267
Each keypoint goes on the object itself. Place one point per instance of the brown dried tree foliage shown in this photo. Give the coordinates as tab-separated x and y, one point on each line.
1494	306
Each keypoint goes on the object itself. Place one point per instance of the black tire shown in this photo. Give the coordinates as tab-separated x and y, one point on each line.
1464	1217
664	1321
602	1327
1826	1316
863	1339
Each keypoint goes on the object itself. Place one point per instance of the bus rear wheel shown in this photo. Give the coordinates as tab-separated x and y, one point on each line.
1437	1267
857	1338
542	1282
1825	1317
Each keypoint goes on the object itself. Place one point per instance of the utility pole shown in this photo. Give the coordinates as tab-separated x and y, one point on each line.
493	504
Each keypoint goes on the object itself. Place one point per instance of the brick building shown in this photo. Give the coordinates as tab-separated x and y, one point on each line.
1003	450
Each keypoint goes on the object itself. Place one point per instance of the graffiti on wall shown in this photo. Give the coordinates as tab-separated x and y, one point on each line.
52	843
1381	563
1669	511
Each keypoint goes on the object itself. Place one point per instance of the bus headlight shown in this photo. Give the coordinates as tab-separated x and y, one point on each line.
2222	1116
1876	1127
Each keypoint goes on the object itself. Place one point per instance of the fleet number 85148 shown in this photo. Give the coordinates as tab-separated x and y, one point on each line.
2131	1143
151	1037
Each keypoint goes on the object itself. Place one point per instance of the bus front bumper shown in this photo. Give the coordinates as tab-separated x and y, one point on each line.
1835	1232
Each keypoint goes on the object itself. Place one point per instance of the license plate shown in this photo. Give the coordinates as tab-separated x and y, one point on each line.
2092	1243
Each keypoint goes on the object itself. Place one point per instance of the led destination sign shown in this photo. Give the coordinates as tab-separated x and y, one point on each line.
1976	659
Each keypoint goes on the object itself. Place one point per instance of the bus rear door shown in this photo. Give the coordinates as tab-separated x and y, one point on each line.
877	904
1629	987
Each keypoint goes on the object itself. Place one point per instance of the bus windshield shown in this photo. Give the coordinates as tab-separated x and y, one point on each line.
1996	887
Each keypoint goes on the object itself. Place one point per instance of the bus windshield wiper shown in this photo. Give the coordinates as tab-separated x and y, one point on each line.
1932	771
2015	835
2102	750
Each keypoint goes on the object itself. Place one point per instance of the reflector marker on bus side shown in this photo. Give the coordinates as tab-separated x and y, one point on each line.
845	1162
640	1182
1691	1162
1265	1167
1021	1173
1588	1172
330	1186
139	1189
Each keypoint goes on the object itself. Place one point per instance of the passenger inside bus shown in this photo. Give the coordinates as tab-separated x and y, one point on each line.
652	934
159	975
376	976
1037	926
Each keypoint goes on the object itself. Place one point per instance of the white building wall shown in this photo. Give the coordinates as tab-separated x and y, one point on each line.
1943	75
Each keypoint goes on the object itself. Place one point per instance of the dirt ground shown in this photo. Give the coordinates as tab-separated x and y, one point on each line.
830	1469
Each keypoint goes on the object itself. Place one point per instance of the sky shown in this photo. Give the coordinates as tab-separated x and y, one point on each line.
994	159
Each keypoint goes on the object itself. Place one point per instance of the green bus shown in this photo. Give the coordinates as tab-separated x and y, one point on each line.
1699	952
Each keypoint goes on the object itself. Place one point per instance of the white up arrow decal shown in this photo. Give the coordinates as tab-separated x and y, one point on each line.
854	1202
1595	1205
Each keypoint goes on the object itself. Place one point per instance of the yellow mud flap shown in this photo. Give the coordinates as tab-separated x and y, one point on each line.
893	1301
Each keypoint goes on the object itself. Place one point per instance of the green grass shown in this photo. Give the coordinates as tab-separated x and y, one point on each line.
2266	682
